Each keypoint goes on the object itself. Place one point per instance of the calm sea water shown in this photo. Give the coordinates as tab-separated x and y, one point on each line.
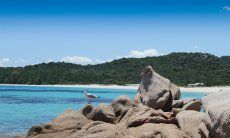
24	106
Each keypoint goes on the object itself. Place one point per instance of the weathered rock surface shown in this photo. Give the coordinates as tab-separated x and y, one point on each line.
121	105
87	110
103	113
150	130
217	106
132	112
99	129
177	104
192	105
149	115
193	123
176	94
187	104
156	91
63	124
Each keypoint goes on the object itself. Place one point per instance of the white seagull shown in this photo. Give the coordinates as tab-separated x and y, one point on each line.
89	96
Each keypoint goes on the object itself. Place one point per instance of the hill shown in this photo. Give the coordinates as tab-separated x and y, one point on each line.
180	68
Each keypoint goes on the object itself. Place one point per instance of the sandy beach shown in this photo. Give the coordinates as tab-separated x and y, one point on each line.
206	89
213	89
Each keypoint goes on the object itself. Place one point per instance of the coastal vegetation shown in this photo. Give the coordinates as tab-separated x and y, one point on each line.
180	68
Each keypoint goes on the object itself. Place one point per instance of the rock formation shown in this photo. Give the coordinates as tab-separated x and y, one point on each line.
68	122
156	111
156	91
121	105
190	121
151	130
99	129
103	113
217	107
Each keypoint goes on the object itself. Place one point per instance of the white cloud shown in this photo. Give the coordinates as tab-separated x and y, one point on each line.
4	62
83	60
132	54
77	60
49	60
98	61
144	53
196	47
226	8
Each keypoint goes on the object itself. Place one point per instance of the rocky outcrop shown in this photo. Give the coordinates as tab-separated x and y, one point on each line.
151	130
121	105
156	91
63	124
193	123
103	113
156	111
176	94
149	115
217	106
187	104
87	110
192	105
99	129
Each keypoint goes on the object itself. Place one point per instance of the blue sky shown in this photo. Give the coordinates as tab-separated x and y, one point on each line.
96	31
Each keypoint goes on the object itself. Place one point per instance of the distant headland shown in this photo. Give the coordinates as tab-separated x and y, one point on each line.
181	68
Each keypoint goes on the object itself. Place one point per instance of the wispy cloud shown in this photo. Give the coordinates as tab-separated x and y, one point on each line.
132	54
77	60
196	47
144	53
49	60
226	8
82	60
4	62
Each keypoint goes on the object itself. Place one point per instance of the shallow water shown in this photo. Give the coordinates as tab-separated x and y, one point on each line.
24	106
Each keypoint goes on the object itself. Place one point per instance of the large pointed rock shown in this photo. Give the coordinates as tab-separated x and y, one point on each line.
156	91
217	106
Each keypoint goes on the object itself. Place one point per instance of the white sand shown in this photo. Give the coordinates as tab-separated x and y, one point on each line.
135	87
206	89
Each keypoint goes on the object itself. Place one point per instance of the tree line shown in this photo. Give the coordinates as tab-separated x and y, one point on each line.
180	68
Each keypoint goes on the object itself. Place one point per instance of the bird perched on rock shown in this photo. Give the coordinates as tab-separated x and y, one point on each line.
89	96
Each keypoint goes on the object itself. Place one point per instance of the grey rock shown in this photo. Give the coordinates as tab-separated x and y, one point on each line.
100	129
149	115
150	130
103	113
191	122
155	91
176	94
193	105
121	105
217	106
87	110
177	104
63	124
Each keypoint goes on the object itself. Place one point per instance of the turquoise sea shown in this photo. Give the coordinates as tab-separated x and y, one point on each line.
24	106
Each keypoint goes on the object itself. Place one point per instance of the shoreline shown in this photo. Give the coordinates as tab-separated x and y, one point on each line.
213	89
100	86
